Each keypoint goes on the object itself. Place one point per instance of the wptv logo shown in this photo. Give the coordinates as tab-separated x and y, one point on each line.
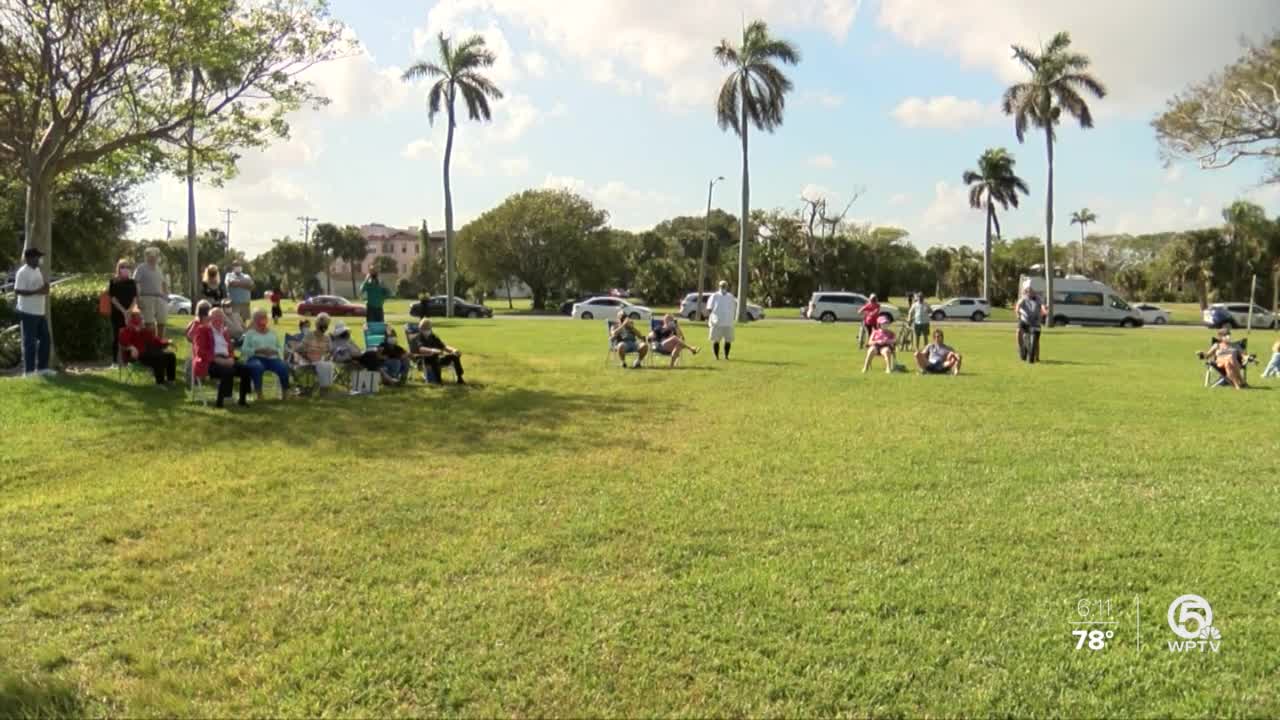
1191	618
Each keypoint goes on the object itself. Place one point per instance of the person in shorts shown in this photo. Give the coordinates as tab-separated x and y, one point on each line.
153	292
883	344
722	313
919	316
276	313
626	339
870	313
1030	312
938	358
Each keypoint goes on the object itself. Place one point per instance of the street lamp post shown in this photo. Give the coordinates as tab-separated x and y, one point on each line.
706	238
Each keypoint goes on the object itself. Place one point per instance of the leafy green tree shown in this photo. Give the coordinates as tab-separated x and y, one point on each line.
939	260
546	239
1058	79
993	183
457	70
754	93
327	240
293	262
349	246
1192	260
1246	229
91	216
1231	116
1083	218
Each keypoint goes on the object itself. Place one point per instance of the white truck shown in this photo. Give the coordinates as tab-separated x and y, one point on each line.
1077	299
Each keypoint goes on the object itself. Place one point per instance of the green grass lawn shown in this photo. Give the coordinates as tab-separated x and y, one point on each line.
779	535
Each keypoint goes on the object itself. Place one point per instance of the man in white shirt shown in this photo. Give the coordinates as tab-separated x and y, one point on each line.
33	295
722	311
153	292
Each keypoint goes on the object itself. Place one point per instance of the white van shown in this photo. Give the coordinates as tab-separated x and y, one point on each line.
1077	299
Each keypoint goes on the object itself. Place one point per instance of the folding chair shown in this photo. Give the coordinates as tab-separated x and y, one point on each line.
302	376
130	372
375	333
411	331
1213	375
612	346
655	350
197	388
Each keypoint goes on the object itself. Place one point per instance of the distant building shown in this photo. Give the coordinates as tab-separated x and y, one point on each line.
402	246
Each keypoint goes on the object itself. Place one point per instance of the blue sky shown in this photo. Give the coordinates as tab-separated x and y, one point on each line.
615	99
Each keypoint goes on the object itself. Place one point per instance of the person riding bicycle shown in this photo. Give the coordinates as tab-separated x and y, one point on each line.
1030	312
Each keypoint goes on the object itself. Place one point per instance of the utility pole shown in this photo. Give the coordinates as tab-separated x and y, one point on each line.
306	221
168	228
702	266
229	213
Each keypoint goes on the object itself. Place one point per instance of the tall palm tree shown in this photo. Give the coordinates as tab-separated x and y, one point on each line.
1058	77
939	259
993	183
456	71
1082	218
754	93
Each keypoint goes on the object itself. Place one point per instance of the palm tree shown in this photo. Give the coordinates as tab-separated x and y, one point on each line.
754	93
456	70
1082	218
939	259
1057	78
994	182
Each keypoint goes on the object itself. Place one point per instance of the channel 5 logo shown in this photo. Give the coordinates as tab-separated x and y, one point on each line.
1191	618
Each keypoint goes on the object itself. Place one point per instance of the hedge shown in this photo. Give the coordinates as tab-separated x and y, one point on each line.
80	334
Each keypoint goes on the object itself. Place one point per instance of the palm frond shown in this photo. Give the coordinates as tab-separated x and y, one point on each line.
435	99
481	83
477	103
1058	44
780	50
423	70
1028	58
970	177
995	220
727	54
975	194
446	51
1085	81
1074	105
727	105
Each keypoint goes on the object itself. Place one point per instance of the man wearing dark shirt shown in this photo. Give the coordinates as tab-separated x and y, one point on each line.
431	350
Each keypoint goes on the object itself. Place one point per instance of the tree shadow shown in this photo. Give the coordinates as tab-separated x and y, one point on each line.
1062	362
769	363
24	698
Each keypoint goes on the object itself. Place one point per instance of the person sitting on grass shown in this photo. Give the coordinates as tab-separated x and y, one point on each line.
938	358
1273	367
435	354
625	340
668	339
1227	359
395	359
138	343
214	356
883	342
262	350
314	351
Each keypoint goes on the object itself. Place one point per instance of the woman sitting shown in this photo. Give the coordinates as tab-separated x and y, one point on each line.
625	339
314	352
668	339
138	343
214	356
395	359
231	319
262	351
1227	357
882	343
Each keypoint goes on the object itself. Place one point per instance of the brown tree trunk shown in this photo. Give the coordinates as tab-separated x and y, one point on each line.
986	255
746	211
38	229
1048	229
448	214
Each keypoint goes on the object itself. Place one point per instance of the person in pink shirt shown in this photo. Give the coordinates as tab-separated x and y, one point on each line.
882	343
870	314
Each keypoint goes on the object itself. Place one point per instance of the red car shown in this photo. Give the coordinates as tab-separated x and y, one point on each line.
332	304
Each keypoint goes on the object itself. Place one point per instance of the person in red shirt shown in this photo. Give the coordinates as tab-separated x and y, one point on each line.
870	315
139	343
214	356
276	313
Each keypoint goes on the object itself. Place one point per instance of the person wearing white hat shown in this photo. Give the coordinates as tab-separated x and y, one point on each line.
722	312
343	349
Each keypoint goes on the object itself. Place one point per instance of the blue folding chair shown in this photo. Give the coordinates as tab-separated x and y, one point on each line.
655	349
375	333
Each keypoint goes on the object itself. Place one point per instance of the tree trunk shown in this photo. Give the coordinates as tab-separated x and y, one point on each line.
38	229
193	262
538	297
1275	288
1081	270
1048	229
353	279
746	211
511	305
448	215
702	264
986	255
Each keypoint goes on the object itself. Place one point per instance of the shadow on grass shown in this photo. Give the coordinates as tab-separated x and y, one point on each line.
1063	362
414	420
769	363
23	698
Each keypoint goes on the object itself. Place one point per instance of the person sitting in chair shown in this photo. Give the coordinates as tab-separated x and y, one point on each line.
1227	358
234	325
1273	367
343	349
668	339
883	342
138	343
625	340
314	351
261	350
395	359
431	350
938	358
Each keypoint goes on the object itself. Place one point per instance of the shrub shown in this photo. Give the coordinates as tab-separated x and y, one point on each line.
80	334
407	289
7	316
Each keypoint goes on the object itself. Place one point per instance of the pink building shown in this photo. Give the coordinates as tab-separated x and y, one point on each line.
402	246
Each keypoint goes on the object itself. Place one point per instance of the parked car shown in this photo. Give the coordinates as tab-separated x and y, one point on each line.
179	305
1077	299
332	304
606	308
1152	314
842	306
566	307
689	307
435	306
966	308
1239	315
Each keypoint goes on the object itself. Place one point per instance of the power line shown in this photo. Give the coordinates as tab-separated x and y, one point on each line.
306	221
229	213
168	228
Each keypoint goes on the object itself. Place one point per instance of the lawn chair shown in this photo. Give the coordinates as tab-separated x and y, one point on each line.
302	376
198	388
655	350
375	333
1213	375
612	346
411	331
130	372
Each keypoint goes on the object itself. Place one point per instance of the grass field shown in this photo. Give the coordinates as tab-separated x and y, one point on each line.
779	535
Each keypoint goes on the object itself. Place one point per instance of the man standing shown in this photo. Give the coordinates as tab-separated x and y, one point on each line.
375	295
33	294
1029	312
153	292
722	311
239	291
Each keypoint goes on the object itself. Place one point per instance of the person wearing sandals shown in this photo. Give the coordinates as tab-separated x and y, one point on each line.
627	340
883	342
668	339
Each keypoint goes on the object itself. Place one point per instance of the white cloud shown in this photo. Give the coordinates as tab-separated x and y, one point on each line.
1142	50
426	150
945	112
535	64
948	210
824	98
515	114
629	208
1174	173
813	191
516	166
825	162
418	149
899	199
625	43
355	84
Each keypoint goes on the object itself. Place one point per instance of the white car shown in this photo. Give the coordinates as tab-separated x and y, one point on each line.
689	307
606	308
1239	313
965	308
179	305
842	306
1152	314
